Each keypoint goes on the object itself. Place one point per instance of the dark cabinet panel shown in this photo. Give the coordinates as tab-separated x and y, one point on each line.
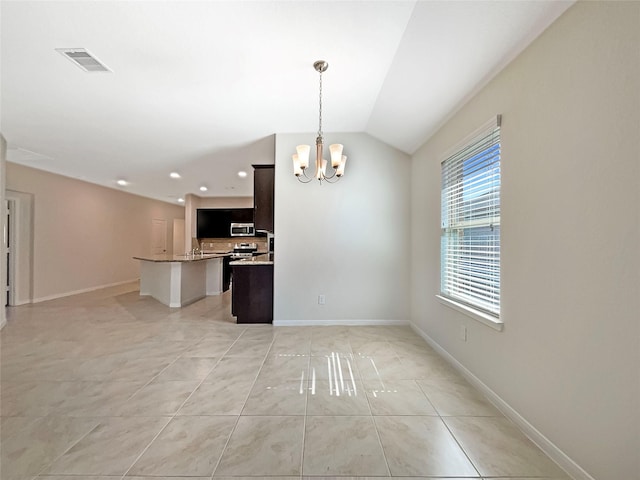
226	273
242	215
216	222
252	294
212	223
263	193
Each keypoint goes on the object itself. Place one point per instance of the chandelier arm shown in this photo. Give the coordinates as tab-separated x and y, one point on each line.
304	174
329	179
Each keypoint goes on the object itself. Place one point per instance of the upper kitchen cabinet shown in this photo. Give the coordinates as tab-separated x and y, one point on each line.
263	193
216	222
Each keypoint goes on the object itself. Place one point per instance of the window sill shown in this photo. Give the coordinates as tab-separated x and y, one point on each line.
484	318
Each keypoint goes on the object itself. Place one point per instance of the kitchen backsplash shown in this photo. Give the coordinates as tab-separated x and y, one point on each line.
227	244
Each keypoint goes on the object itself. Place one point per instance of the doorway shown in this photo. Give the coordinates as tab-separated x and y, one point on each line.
18	238
9	240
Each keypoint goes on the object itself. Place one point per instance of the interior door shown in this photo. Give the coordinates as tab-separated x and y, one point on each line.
158	236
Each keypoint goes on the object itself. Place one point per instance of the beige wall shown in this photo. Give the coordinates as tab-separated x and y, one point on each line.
568	359
347	241
85	235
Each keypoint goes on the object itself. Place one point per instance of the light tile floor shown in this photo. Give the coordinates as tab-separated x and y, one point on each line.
110	385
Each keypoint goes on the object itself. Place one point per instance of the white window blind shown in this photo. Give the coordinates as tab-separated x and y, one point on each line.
470	239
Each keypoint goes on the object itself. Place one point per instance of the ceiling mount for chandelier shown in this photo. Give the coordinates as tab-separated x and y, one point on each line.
301	158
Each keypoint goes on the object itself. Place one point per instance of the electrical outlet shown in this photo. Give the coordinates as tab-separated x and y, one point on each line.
321	299
463	333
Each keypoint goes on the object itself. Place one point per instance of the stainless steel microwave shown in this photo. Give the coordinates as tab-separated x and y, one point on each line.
242	230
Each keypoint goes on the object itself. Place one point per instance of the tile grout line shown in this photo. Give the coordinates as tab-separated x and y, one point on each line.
224	448
178	409
373	420
304	418
455	439
42	471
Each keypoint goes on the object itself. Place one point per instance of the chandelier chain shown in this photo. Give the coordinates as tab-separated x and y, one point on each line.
320	113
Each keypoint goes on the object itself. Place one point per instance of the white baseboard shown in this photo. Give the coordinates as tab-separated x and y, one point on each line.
21	302
84	290
342	323
549	448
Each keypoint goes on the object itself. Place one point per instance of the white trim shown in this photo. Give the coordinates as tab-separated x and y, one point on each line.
3	322
14	242
482	317
84	290
491	124
353	323
21	302
549	448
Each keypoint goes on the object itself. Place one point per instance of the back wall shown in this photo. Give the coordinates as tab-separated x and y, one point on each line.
85	235
348	241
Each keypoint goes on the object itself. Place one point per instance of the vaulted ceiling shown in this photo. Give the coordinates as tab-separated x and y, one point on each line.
200	87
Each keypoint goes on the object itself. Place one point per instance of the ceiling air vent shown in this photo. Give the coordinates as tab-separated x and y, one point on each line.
83	59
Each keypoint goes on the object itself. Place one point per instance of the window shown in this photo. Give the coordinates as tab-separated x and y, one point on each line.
470	237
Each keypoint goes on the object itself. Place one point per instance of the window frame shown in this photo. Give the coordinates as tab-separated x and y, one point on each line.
464	305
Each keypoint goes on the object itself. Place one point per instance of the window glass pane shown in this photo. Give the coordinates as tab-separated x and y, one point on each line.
470	242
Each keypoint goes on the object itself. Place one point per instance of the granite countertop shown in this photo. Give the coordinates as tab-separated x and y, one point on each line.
263	259
182	258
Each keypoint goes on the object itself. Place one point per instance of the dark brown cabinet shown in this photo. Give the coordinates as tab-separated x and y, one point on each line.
216	222
252	293
226	273
263	193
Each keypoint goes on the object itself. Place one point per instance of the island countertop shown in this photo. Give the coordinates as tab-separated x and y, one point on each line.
182	258
264	259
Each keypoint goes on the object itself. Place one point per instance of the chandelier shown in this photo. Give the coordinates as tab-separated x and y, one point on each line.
301	158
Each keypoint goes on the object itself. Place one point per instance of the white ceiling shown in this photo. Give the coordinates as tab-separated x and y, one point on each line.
201	87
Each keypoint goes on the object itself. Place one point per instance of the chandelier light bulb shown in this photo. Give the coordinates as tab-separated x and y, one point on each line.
303	155
340	170
322	171
297	171
336	154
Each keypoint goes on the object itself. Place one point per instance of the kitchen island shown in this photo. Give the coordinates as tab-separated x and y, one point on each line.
178	280
252	293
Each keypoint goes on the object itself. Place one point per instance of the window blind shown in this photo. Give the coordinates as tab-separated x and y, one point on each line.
470	237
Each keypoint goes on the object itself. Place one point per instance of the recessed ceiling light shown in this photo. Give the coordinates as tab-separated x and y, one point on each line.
181	200
122	183
242	174
174	175
203	188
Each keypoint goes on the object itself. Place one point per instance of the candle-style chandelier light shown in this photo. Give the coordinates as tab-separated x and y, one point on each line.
301	158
